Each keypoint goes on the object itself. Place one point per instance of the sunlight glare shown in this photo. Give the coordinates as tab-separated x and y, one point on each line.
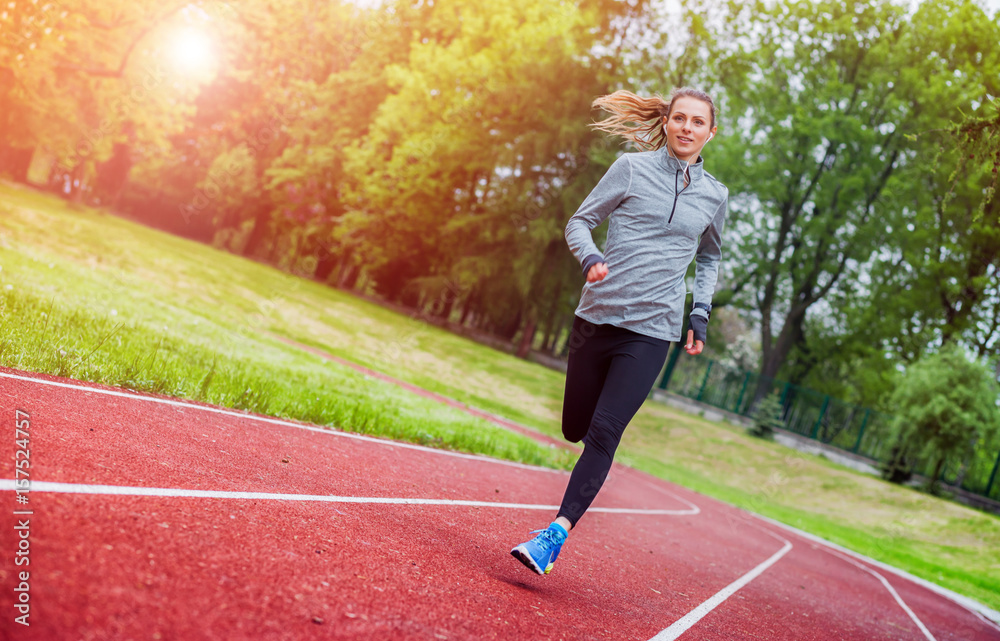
192	50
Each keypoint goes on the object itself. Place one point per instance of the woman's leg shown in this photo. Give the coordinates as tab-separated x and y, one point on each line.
635	361
609	374
586	368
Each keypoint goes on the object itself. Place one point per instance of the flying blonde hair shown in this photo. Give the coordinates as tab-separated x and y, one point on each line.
627	107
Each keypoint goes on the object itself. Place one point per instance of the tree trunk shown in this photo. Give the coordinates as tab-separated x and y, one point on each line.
290	245
932	482
564	350
509	329
467	307
552	316
547	336
550	346
16	161
527	337
260	223
112	175
964	469
349	277
325	264
76	184
446	303
791	334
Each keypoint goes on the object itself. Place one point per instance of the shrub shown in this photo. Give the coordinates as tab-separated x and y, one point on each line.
944	405
767	417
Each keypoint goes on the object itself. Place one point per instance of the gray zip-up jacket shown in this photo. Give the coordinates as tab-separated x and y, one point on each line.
653	235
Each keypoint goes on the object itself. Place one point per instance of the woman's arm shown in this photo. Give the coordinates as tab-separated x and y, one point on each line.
707	259
603	199
706	275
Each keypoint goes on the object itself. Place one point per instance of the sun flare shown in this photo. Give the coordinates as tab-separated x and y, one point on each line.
192	51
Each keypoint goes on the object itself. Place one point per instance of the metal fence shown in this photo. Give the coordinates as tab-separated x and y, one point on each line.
829	420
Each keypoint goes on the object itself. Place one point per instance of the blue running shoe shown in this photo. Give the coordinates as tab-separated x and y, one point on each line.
540	553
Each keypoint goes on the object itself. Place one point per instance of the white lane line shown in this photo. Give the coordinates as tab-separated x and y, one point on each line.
892	591
120	490
635	477
683	624
989	622
974	607
275	421
692	509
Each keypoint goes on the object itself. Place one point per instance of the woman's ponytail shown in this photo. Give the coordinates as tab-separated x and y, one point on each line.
647	114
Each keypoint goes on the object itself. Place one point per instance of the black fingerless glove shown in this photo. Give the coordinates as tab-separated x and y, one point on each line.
590	261
699	323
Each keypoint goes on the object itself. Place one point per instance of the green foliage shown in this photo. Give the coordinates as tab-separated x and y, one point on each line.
827	177
944	405
454	169
845	358
768	417
978	139
79	79
940	281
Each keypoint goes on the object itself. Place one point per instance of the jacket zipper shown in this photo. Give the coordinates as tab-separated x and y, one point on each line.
676	194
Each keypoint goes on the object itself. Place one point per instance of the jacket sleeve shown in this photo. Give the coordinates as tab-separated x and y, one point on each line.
707	259
603	199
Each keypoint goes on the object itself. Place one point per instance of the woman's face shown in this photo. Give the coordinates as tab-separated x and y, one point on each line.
689	127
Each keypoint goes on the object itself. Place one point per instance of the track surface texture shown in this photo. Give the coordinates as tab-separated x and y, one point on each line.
160	519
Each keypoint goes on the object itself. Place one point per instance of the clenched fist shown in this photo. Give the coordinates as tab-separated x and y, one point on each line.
597	272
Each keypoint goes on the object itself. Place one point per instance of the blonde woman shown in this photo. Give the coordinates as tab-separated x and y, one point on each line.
665	210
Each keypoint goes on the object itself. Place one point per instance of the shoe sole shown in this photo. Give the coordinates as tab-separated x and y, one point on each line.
525	558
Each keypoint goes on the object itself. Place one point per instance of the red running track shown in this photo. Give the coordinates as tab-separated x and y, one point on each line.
326	535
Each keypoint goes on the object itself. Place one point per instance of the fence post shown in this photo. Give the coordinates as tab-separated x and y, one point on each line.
739	401
993	477
861	432
819	419
784	394
671	364
704	381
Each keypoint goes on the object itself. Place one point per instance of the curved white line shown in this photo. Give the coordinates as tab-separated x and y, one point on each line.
989	621
275	421
691	506
122	490
892	591
964	602
692	509
683	624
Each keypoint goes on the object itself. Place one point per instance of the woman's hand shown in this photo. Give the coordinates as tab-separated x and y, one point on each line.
597	272
693	347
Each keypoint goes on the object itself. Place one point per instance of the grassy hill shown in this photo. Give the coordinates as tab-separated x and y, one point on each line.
94	297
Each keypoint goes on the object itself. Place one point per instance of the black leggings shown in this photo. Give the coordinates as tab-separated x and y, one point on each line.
609	375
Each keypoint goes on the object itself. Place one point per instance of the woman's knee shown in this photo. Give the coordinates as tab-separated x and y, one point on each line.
604	432
575	428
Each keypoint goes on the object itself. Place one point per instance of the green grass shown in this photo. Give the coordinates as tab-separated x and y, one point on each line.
94	297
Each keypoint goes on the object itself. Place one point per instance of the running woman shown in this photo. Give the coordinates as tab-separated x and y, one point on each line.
665	210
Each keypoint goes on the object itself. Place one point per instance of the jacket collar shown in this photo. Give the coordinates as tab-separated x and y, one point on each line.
671	164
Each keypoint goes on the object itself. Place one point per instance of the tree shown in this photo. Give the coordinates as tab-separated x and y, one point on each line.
334	115
937	282
450	171
821	103
76	84
944	405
